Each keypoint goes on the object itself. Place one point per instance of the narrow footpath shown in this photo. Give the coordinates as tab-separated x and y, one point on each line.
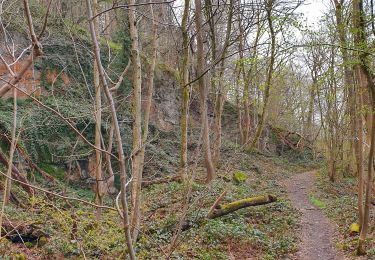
317	231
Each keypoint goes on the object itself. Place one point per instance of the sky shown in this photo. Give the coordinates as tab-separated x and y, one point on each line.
313	10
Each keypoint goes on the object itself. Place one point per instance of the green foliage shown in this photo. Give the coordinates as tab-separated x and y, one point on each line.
219	229
239	177
340	200
317	203
54	170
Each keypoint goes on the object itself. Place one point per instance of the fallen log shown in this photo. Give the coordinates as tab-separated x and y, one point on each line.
221	210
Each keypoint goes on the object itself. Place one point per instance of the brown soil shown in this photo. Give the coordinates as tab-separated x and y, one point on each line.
317	231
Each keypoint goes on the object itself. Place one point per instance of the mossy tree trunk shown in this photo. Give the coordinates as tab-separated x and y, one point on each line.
225	209
365	80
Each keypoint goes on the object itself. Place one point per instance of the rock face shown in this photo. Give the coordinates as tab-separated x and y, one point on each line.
166	101
29	83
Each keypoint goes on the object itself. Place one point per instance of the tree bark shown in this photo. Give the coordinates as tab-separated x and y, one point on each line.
365	82
225	209
99	194
121	157
259	129
146	119
185	92
137	122
203	94
221	92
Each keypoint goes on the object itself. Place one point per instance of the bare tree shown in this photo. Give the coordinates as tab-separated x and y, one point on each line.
184	78
121	157
203	94
268	83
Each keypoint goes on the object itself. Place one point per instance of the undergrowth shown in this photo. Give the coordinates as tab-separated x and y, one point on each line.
340	205
262	232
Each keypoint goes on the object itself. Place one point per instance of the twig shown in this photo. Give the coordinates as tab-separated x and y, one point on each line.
217	201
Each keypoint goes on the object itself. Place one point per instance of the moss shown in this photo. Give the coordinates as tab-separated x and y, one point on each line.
114	46
317	203
354	228
42	241
236	204
239	177
53	170
29	244
19	256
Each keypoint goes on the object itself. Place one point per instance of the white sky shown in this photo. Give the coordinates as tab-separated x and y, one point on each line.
313	10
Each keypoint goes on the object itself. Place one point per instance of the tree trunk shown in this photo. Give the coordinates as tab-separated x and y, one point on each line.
99	194
185	92
268	83
358	147
365	82
203	94
146	119
8	181
121	157
225	209
137	118
221	92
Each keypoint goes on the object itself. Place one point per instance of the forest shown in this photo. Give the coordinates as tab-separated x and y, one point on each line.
187	129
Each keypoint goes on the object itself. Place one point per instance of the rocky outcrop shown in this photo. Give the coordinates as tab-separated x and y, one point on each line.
165	111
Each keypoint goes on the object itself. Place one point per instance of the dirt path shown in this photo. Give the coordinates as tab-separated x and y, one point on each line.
317	230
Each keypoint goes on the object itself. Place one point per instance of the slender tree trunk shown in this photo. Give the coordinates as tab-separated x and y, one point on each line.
98	121
185	92
241	71
348	78
365	82
203	94
358	147
308	130
262	119
146	119
238	102
249	79
221	93
120	151
8	181
137	130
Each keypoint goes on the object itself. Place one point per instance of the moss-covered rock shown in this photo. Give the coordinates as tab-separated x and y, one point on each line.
42	241
354	228
239	177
